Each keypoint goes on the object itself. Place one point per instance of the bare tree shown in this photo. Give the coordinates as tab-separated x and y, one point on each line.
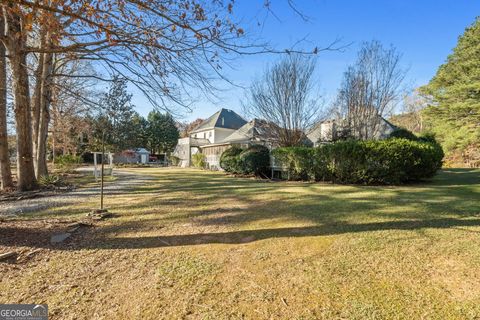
286	97
186	127
413	104
370	89
72	102
164	48
5	172
15	40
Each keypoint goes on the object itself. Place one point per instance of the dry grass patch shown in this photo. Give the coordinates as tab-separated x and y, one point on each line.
192	244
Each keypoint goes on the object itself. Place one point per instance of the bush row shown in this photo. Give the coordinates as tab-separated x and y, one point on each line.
391	161
253	160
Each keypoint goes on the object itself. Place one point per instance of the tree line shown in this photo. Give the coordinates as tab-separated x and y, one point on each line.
120	127
449	105
372	88
53	51
287	95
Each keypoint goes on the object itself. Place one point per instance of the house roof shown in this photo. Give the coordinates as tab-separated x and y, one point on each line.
253	130
224	118
198	142
142	150
317	125
390	124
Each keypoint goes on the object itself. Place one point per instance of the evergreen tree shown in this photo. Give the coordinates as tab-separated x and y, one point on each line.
454	114
139	133
162	132
115	118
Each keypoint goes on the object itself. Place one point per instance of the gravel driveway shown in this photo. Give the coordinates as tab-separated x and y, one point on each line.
124	182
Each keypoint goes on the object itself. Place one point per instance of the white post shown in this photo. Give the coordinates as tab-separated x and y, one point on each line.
110	157
95	165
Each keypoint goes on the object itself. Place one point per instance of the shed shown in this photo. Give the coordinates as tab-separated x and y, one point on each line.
144	154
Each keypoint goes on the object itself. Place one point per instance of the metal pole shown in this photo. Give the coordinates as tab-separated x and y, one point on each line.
53	137
101	184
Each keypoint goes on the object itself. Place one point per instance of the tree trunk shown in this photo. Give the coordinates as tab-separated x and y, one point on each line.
36	101
44	117
5	172
16	42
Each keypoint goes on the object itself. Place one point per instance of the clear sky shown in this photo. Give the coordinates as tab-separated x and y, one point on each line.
424	31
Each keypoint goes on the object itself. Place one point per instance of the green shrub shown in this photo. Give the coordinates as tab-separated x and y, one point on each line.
67	163
428	137
198	160
297	160
50	181
403	133
175	161
230	161
68	159
390	161
254	160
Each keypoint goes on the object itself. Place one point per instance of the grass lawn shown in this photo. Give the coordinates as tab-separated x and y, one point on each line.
191	244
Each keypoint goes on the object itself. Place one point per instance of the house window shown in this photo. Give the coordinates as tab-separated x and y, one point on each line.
210	134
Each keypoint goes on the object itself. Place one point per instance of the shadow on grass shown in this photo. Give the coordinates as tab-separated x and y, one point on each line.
449	201
246	236
39	237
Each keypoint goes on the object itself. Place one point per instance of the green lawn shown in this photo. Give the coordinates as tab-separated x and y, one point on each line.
191	244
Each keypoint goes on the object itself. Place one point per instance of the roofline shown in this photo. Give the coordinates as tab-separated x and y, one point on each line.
200	124
224	143
215	144
389	123
198	130
210	128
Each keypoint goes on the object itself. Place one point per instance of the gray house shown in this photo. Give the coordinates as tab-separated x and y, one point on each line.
226	128
331	130
209	134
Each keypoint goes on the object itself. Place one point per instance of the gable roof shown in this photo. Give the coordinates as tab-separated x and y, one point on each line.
390	124
224	118
254	130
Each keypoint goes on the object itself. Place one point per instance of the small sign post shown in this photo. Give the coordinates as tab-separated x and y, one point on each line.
101	213
102	171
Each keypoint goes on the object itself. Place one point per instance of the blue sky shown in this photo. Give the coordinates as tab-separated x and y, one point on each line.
423	31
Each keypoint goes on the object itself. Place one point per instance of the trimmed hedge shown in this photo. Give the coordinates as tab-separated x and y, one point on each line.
230	161
403	133
253	160
391	161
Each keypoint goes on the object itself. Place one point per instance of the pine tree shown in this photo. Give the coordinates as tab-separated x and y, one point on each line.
454	114
163	132
115	117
